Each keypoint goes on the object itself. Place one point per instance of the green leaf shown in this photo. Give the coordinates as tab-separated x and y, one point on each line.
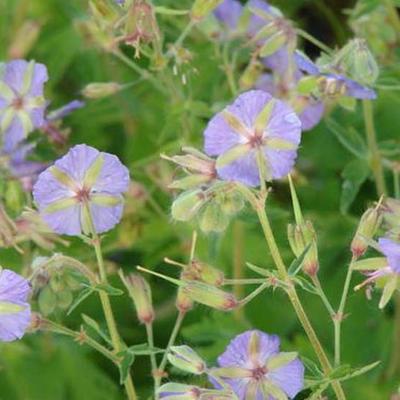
110	290
354	175
83	295
125	365
144	349
305	284
92	324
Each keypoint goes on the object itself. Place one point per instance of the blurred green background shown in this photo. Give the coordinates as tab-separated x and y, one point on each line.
140	123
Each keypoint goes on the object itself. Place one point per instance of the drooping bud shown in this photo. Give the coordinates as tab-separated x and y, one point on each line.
186	359
201	8
213	219
251	74
357	60
369	224
187	204
209	295
140	292
231	202
141	25
179	391
98	90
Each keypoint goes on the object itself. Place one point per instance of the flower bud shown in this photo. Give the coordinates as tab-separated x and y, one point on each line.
204	272
187	204
232	202
209	295
183	302
102	12
179	391
140	292
250	75
357	60
300	237
213	219
201	8
47	300
186	359
369	224
141	25
97	90
390	211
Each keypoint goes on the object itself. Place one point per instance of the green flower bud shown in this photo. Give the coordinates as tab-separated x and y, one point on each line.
64	299
47	301
187	205
24	39
98	90
356	58
174	391
8	229
183	302
205	273
186	359
140	292
251	74
369	224
232	202
209	295
213	219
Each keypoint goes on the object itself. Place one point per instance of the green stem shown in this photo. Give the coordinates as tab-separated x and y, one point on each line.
107	309
322	295
259	205
184	33
80	337
314	41
153	361
376	160
143	73
339	315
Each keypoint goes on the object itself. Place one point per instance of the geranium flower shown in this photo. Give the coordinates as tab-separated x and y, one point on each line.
255	369
229	13
15	311
255	131
82	187
22	104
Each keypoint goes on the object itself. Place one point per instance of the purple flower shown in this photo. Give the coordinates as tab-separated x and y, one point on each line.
391	250
21	100
256	130
15	311
256	21
255	369
228	13
82	187
21	167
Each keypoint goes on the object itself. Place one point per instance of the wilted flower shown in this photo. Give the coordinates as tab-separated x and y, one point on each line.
22	103
15	311
255	369
83	187
256	131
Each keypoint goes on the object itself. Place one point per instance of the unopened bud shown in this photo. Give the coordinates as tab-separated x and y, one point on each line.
213	219
390	211
209	295
300	237
250	75
187	204
201	8
232	202
97	90
24	39
183	302
47	300
205	273
140	292
102	12
357	60
186	359
179	391
7	229
369	224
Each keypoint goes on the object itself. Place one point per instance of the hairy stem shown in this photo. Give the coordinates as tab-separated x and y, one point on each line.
339	316
153	361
